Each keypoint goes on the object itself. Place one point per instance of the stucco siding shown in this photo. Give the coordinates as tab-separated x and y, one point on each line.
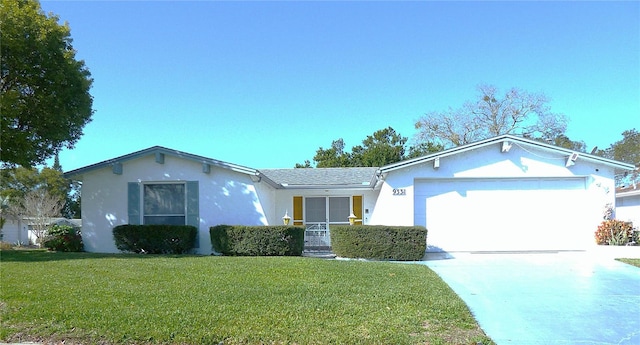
14	232
628	208
225	197
397	204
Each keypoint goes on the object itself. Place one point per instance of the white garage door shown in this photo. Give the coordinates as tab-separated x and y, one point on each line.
503	214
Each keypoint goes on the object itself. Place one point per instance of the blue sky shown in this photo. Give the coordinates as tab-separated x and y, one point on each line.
265	84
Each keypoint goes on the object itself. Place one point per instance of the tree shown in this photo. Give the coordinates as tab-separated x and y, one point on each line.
626	150
17	182
44	90
423	149
383	147
39	206
517	112
333	156
564	141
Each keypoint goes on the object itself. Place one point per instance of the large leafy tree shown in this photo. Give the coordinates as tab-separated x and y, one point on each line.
44	90
383	147
17	182
563	141
626	150
516	112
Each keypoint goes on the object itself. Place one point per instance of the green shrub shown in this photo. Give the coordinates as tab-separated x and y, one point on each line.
404	243
63	238
257	240
155	239
614	232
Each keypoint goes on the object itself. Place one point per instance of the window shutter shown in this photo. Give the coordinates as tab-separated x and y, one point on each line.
297	211
193	208
133	202
357	209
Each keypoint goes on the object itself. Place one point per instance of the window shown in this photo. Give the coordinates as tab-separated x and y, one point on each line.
316	210
164	203
339	209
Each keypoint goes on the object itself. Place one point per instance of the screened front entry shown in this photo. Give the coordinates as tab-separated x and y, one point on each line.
317	214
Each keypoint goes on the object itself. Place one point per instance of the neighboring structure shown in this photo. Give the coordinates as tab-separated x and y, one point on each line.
500	194
20	230
628	205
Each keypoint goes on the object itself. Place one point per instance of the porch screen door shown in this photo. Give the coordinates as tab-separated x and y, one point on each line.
316	235
319	213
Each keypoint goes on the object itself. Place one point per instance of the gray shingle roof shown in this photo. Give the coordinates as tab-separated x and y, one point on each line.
319	177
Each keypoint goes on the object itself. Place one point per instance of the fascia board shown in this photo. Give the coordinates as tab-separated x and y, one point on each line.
328	187
628	193
159	149
514	139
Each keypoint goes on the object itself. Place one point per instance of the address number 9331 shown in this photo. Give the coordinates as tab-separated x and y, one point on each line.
399	191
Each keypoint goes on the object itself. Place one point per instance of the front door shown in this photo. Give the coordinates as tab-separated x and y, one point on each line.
320	213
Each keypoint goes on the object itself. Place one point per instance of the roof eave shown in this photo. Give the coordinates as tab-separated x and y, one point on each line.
628	193
163	150
328	187
500	139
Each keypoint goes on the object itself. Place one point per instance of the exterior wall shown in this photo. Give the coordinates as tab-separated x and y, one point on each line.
225	197
628	207
489	162
15	231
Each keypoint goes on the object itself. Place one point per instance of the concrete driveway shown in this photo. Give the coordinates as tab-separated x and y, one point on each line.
548	298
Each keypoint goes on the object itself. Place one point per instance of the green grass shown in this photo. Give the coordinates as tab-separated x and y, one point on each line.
84	298
634	262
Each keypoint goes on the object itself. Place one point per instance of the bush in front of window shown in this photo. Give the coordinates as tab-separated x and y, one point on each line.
240	240
63	238
155	239
379	242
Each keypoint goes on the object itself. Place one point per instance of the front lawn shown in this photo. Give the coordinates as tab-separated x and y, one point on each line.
634	262
84	298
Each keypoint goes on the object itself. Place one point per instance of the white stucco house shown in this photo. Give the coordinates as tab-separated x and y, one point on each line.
19	230
628	205
501	194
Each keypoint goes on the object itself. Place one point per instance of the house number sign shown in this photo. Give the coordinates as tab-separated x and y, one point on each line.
399	191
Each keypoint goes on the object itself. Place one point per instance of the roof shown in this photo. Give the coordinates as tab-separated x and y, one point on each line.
510	140
351	177
631	190
160	150
53	220
358	177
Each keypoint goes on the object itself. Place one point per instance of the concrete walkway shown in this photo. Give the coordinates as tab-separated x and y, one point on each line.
548	298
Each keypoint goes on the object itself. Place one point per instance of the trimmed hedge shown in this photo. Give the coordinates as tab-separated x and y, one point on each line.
63	238
379	242
155	239
240	240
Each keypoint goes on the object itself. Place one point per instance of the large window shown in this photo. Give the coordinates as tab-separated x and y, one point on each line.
164	203
339	209
316	209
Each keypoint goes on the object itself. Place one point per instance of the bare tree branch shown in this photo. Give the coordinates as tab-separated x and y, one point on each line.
517	112
38	206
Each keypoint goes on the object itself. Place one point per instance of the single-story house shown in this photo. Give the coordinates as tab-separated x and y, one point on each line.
628	205
505	193
19	230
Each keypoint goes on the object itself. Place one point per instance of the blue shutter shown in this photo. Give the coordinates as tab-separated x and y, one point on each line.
193	208
133	202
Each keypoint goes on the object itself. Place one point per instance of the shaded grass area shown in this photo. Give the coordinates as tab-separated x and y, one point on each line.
87	298
633	262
